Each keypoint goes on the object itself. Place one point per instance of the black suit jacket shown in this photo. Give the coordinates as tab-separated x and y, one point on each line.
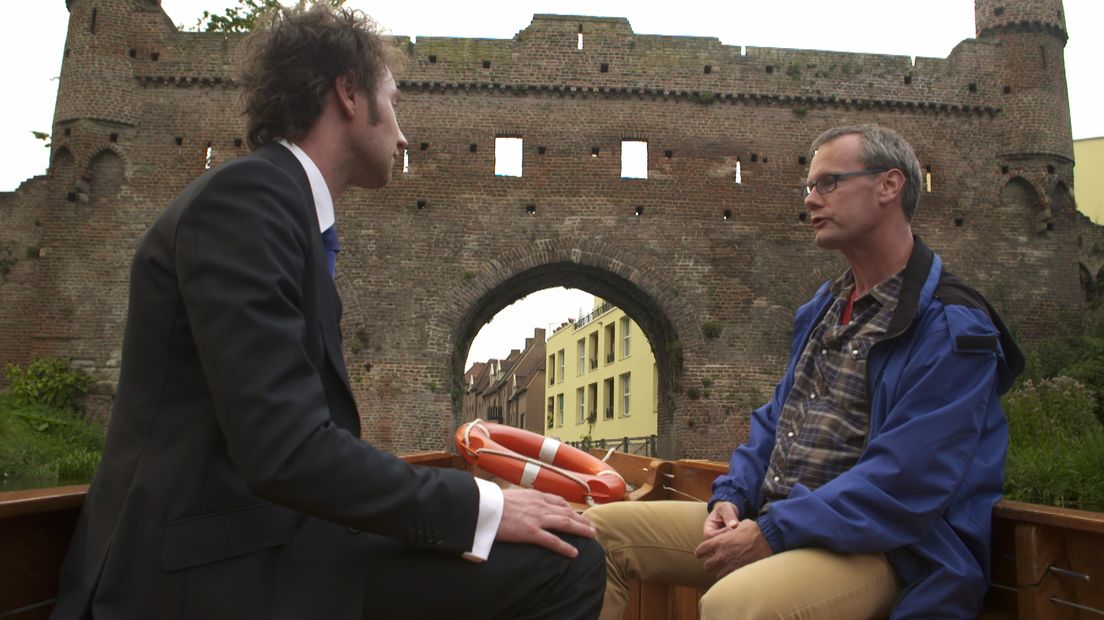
233	470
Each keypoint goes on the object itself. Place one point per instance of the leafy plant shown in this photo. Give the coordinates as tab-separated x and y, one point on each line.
711	329
243	17
42	446
49	382
1056	445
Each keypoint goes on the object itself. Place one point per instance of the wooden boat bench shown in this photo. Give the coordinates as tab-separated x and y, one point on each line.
1048	563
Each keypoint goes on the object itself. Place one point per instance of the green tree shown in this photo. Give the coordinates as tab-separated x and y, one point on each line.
243	17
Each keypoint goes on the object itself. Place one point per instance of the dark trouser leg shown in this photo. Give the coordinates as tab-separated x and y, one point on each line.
517	581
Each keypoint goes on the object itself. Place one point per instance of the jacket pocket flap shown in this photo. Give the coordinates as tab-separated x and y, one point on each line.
226	534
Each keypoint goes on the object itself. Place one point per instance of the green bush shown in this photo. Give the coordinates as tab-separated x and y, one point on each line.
50	382
40	446
1056	445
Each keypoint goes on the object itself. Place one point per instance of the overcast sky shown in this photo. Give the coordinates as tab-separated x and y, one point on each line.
32	37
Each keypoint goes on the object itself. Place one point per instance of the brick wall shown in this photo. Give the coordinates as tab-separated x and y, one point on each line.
430	258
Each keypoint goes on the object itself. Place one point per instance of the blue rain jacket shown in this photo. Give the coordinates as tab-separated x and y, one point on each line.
924	488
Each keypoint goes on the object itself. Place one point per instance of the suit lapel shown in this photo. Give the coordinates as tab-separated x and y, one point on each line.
328	300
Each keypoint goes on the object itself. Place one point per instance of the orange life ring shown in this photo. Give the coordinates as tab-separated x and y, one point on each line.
543	463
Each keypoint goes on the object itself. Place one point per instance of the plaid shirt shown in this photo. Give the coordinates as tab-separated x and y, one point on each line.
823	426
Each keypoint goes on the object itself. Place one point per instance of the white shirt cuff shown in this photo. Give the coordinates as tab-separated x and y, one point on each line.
486	526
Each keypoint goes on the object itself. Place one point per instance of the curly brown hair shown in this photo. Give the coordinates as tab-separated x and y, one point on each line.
292	59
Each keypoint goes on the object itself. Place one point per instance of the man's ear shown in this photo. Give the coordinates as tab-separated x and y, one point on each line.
893	183
345	94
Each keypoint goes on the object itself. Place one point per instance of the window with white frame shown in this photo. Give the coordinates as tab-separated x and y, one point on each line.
581	407
560	363
626	337
508	156
580	347
626	389
559	409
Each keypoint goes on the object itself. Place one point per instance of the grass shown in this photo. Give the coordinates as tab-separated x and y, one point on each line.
42	446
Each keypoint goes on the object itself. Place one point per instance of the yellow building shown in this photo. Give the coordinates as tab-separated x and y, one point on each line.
601	378
1089	177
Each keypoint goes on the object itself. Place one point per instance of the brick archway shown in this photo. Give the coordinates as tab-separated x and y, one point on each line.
621	284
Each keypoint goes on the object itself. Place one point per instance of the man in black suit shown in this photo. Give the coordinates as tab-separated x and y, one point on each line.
233	483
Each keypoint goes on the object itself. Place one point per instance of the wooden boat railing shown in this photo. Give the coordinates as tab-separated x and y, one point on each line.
1047	563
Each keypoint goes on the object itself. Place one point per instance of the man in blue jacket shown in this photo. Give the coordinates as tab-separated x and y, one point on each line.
866	486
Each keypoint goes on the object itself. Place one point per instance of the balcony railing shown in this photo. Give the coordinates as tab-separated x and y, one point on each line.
593	363
597	312
610	357
609	413
645	446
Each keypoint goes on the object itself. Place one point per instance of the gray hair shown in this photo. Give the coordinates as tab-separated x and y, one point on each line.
882	148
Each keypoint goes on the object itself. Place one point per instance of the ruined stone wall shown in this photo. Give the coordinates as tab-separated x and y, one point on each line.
428	259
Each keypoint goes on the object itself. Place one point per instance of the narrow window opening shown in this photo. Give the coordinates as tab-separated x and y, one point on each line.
802	216
92	24
743	50
634	159
237	143
154	56
68	131
421	204
179	141
708	69
802	160
958	221
668	154
928	181
1004	169
998	11
638	211
531	209
406	161
433	59
486	64
1007	90
423	146
739	176
508	156
908	79
114	137
913	60
1050	226
541	150
594	151
604	67
770	68
1050	168
71	196
727	214
471	148
580	44
754	157
972	87
209	157
133	53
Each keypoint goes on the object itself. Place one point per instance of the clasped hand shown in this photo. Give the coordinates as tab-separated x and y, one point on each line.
729	542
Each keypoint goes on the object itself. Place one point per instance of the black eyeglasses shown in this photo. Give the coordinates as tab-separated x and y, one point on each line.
827	183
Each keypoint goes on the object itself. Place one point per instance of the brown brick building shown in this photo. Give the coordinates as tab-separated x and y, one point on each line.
508	391
143	108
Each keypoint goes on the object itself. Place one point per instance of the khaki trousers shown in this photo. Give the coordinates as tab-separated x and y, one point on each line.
655	541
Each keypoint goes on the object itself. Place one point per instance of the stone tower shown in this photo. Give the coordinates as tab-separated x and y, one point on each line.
1036	138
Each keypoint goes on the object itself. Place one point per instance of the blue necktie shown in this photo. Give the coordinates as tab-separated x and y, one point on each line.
332	247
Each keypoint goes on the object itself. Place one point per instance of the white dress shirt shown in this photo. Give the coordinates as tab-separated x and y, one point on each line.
490	495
